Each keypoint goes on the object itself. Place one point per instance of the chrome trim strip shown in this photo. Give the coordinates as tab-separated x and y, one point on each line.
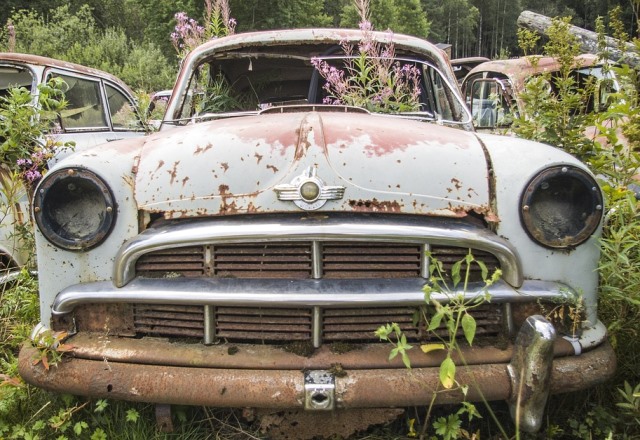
393	228
425	264
316	326
316	259
209	325
325	293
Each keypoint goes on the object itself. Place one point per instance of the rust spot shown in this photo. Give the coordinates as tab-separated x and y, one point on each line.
200	150
258	157
228	208
456	183
185	180
488	213
273	168
375	206
459	211
223	190
160	165
225	166
173	172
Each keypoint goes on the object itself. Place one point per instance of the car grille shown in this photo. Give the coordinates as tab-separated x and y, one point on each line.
283	325
299	260
295	260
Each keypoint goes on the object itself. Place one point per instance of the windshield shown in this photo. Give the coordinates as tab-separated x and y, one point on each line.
247	83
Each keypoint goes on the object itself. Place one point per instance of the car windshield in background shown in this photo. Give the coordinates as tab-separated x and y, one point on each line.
248	83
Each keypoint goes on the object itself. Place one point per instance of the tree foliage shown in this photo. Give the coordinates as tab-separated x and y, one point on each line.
76	37
472	27
279	14
403	16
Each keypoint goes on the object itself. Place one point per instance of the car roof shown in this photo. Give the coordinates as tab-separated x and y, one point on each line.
519	69
37	60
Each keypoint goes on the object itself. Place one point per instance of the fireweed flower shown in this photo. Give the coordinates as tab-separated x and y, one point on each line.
371	77
32	175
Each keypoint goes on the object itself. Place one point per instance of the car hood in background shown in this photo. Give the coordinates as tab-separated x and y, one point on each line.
383	164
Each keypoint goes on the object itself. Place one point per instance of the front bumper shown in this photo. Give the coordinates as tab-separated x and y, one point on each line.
155	370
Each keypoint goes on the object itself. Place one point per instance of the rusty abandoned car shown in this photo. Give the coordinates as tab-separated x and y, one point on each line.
244	255
493	89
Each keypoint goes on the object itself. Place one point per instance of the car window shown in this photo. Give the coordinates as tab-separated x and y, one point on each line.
490	100
85	108
253	82
11	77
122	110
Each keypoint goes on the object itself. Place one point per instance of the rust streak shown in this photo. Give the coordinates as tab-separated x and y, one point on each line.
174	171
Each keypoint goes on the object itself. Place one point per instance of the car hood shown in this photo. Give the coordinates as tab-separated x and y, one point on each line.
371	163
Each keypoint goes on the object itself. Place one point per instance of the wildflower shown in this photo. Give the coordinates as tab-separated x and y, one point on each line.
32	175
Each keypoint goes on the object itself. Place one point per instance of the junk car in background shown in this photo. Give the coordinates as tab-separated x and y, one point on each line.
244	255
492	90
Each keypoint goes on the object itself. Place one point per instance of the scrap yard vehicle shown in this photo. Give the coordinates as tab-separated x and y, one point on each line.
493	89
245	254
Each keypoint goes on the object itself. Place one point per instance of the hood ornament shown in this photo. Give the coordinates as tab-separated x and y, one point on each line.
308	191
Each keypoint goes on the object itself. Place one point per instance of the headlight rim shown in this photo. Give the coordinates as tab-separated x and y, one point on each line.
43	222
593	220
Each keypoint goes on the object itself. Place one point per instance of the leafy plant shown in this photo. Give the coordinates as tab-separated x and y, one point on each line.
454	315
51	348
555	109
24	148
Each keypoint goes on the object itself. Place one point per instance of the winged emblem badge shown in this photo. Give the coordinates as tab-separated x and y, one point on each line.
308	191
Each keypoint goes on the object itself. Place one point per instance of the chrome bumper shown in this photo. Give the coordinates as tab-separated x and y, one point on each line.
296	293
